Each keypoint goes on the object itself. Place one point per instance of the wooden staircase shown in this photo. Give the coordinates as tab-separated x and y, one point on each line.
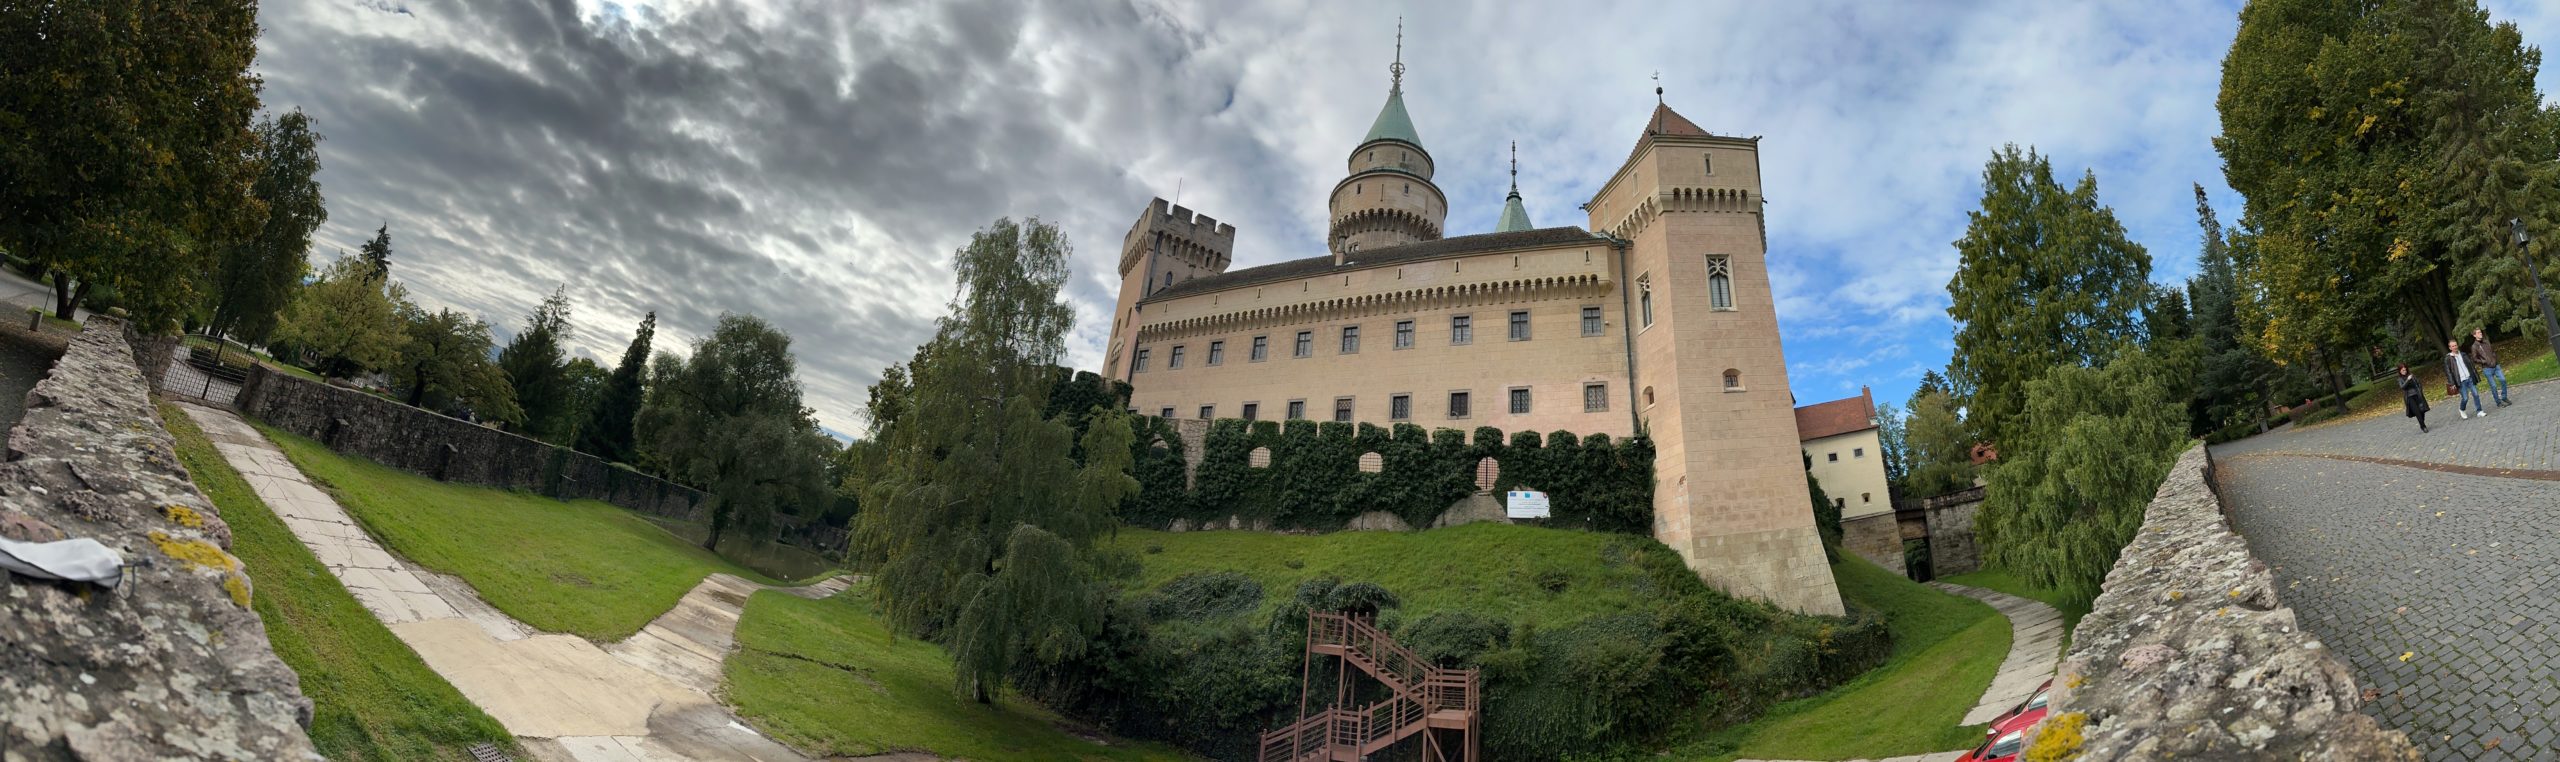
1422	697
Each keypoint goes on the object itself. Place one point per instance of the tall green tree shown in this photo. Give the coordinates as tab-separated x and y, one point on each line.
124	133
2073	478
728	420
535	363
1939	453
377	253
2231	383
254	278
346	323
446	360
607	433
1892	438
978	506
2046	278
582	384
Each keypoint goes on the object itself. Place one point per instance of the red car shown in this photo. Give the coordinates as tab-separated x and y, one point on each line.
2007	735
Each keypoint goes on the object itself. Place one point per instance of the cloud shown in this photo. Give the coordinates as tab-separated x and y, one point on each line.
816	162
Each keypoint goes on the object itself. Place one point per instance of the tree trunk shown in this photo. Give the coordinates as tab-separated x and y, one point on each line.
63	298
418	387
2338	387
719	523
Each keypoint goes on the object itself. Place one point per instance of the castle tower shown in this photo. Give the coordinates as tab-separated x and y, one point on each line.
1710	376
1388	199
1167	245
1515	216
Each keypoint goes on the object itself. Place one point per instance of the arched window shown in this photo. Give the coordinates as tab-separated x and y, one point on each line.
1488	471
1371	463
1732	380
1720	282
1644	297
1648	396
1259	458
1168	280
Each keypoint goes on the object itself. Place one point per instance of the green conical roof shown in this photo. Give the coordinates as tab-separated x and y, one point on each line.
1393	123
1515	217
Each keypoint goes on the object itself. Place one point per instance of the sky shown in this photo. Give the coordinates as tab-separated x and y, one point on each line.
816	163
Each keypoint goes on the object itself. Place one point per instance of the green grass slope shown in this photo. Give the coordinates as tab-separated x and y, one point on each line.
828	676
1510	573
372	698
582	567
1946	648
2001	581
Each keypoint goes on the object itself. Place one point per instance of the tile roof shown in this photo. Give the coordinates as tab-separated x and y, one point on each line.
1836	417
1319	265
1668	122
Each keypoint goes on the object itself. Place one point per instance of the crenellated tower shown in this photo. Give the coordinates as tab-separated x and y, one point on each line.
1167	245
1388	199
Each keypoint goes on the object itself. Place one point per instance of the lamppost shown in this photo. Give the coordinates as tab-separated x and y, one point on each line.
2550	324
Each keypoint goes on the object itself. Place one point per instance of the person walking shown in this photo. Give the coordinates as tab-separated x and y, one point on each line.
2466	384
2485	357
2413	396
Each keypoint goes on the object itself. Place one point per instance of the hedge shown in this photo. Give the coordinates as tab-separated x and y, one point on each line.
1314	481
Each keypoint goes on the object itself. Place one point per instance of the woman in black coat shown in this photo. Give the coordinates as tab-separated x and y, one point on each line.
2413	396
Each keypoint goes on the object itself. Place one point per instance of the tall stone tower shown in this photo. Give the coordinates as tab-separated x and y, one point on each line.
1711	379
1167	245
1388	198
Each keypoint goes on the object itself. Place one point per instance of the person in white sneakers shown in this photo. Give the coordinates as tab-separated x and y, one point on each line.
2466	385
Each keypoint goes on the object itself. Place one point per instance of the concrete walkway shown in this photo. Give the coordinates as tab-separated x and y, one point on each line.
649	697
2035	651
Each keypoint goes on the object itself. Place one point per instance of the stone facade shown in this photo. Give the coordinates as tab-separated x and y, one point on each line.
2188	653
1876	537
1951	546
1658	316
451	449
170	663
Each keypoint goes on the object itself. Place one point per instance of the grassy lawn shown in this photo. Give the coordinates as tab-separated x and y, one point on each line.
56	325
828	676
2000	581
1492	569
582	567
372	698
2526	361
1945	650
281	366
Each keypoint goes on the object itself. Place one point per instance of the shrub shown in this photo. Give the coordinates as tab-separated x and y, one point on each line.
1204	595
1454	638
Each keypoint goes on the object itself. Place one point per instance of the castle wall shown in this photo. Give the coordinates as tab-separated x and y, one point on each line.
1556	361
1856	479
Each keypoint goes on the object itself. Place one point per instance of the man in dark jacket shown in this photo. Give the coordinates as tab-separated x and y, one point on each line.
2413	396
2484	356
2466	384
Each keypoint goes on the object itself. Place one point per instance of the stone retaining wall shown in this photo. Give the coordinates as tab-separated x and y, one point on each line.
2188	654
451	449
1951	547
170	663
1876	537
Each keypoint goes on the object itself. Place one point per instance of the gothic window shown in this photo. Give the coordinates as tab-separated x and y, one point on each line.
1217	353
1519	325
1592	325
1644	297
1720	282
1350	339
1261	349
1306	344
1595	398
1404	334
1462	330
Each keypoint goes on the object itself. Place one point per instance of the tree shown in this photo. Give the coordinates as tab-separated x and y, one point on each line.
377	253
255	278
2072	481
977	500
2231	381
1939	454
2047	278
346	323
124	129
728	420
1891	439
607	433
582	385
447	359
534	363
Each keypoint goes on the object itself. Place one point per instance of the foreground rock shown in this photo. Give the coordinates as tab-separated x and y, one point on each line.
168	664
2189	655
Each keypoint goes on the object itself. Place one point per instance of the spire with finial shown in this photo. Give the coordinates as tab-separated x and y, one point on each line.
1395	71
1515	215
1393	123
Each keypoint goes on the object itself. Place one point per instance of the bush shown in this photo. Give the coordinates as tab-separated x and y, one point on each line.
1454	638
1204	595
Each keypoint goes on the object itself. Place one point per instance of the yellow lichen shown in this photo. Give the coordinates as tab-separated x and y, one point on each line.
2060	740
184	516
2075	681
197	553
238	586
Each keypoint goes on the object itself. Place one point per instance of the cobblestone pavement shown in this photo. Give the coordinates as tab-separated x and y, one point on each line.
2440	589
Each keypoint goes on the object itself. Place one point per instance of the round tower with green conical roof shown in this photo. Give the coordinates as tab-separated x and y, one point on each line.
1388	198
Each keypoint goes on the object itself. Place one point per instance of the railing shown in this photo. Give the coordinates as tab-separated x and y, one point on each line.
1418	689
1393	664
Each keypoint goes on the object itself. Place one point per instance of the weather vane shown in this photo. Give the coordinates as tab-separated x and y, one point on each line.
1657	88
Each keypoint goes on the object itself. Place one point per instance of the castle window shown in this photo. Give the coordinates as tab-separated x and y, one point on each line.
1592	325
1208	411
1342	409
1217	353
1860	452
1167	413
1404	334
1351	339
1297	410
1720	282
1306	344
1355	189
1261	349
1462	330
1648	396
1839	502
1141	366
1457	404
1252	411
1732	380
1866	497
1168	281
1520	400
1408	189
1708	163
1519	325
1174	362
1831	457
1644	297
1595	398
1400	407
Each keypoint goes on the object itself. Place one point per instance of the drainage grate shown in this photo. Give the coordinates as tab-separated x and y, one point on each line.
488	753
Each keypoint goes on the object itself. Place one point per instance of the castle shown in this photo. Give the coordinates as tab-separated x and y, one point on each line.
1657	317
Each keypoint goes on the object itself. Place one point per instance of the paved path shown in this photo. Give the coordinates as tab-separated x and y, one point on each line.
646	698
2035	650
2435	576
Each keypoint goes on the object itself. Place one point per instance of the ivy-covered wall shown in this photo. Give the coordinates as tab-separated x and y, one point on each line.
1313	479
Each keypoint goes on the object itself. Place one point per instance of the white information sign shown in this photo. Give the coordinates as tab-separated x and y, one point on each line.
1525	504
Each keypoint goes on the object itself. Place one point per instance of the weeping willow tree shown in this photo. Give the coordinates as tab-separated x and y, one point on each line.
980	519
2069	489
